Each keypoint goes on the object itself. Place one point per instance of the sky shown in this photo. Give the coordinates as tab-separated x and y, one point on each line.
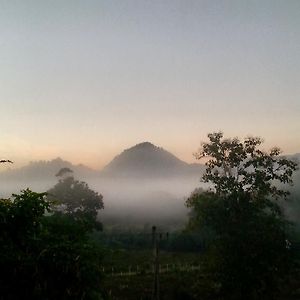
84	80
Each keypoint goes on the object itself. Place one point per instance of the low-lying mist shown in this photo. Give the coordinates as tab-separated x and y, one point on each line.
129	202
143	185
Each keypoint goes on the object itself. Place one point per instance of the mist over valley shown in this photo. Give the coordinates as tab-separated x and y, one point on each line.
143	184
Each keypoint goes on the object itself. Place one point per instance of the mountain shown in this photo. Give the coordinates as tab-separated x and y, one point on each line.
44	170
141	161
147	160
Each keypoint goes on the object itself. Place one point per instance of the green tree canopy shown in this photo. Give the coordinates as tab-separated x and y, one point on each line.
249	254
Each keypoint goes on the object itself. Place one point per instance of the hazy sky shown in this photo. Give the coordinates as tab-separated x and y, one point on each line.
85	79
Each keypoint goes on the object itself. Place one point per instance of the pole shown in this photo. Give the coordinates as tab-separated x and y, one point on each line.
155	293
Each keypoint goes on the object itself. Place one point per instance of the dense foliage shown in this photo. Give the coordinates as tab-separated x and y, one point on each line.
45	255
75	198
249	252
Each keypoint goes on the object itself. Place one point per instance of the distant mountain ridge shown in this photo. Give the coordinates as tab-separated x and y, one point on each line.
144	160
140	161
40	170
148	160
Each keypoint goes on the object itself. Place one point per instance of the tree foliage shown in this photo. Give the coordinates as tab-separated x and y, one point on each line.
45	255
236	166
249	254
75	198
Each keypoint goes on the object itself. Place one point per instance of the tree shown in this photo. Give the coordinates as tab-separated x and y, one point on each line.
45	256
75	198
249	255
20	225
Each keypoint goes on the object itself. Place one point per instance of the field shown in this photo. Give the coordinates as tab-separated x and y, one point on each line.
129	274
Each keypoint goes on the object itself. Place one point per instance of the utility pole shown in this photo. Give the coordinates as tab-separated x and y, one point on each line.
156	243
155	292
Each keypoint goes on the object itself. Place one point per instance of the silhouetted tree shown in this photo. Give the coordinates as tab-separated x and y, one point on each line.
63	171
45	256
76	198
249	255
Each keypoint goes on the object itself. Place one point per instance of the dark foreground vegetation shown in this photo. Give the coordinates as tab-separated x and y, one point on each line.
237	244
